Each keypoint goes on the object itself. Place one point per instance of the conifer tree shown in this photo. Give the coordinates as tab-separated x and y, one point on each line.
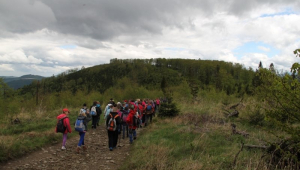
168	108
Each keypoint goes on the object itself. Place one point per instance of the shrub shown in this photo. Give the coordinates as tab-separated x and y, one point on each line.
168	109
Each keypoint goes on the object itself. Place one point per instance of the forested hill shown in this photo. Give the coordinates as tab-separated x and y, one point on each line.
199	74
19	82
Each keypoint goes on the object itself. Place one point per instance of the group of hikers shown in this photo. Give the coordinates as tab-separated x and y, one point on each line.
119	117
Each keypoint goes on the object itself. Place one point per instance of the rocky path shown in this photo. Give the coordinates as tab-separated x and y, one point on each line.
97	155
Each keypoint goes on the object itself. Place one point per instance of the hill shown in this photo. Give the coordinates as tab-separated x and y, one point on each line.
19	82
148	73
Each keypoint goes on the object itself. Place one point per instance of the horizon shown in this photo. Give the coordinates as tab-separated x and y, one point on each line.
33	74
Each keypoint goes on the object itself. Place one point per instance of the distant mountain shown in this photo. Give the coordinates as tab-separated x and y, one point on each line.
19	82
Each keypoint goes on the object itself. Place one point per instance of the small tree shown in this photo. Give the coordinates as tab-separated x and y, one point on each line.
168	108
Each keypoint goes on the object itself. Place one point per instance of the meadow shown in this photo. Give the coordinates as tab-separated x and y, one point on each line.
199	137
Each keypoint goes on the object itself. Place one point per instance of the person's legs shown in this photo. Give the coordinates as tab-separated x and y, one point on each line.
98	120
134	133
130	135
65	136
143	119
127	130
124	129
110	140
81	140
94	122
116	136
151	117
147	117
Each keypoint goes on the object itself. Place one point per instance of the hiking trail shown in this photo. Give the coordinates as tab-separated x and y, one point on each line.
97	155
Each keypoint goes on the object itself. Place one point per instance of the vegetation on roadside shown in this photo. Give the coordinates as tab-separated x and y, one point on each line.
202	94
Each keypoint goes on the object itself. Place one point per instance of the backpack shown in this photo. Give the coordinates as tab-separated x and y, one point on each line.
112	124
149	107
136	120
124	116
60	127
79	126
157	102
93	111
82	111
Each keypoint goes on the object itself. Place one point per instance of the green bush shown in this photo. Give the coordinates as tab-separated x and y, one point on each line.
168	109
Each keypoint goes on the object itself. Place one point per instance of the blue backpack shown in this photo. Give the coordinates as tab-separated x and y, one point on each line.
149	107
79	126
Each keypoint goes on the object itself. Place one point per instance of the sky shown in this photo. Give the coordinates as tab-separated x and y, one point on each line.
43	37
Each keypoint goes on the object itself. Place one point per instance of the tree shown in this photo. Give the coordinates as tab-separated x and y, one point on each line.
272	68
260	65
167	109
163	85
281	95
193	83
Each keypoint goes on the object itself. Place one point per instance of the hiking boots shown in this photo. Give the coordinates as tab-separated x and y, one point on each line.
84	147
63	148
77	149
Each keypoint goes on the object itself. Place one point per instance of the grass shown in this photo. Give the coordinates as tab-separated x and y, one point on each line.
32	134
200	138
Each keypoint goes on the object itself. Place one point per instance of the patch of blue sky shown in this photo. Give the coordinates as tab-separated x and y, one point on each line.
256	47
68	46
287	11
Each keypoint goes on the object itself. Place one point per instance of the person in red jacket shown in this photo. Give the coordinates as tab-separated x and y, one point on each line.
66	121
141	108
131	126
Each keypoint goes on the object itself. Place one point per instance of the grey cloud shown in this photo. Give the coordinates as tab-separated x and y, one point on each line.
243	7
24	16
90	44
106	20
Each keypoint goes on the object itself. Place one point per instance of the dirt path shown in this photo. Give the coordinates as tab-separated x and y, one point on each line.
97	155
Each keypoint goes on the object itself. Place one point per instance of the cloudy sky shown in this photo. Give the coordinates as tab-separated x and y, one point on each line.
47	37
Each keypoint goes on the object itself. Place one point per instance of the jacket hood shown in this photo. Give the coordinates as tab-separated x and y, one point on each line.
61	116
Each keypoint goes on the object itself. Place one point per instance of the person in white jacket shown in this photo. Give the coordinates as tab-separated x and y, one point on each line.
107	110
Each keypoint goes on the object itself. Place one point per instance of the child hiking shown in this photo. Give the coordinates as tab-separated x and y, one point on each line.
63	117
81	126
94	114
113	123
